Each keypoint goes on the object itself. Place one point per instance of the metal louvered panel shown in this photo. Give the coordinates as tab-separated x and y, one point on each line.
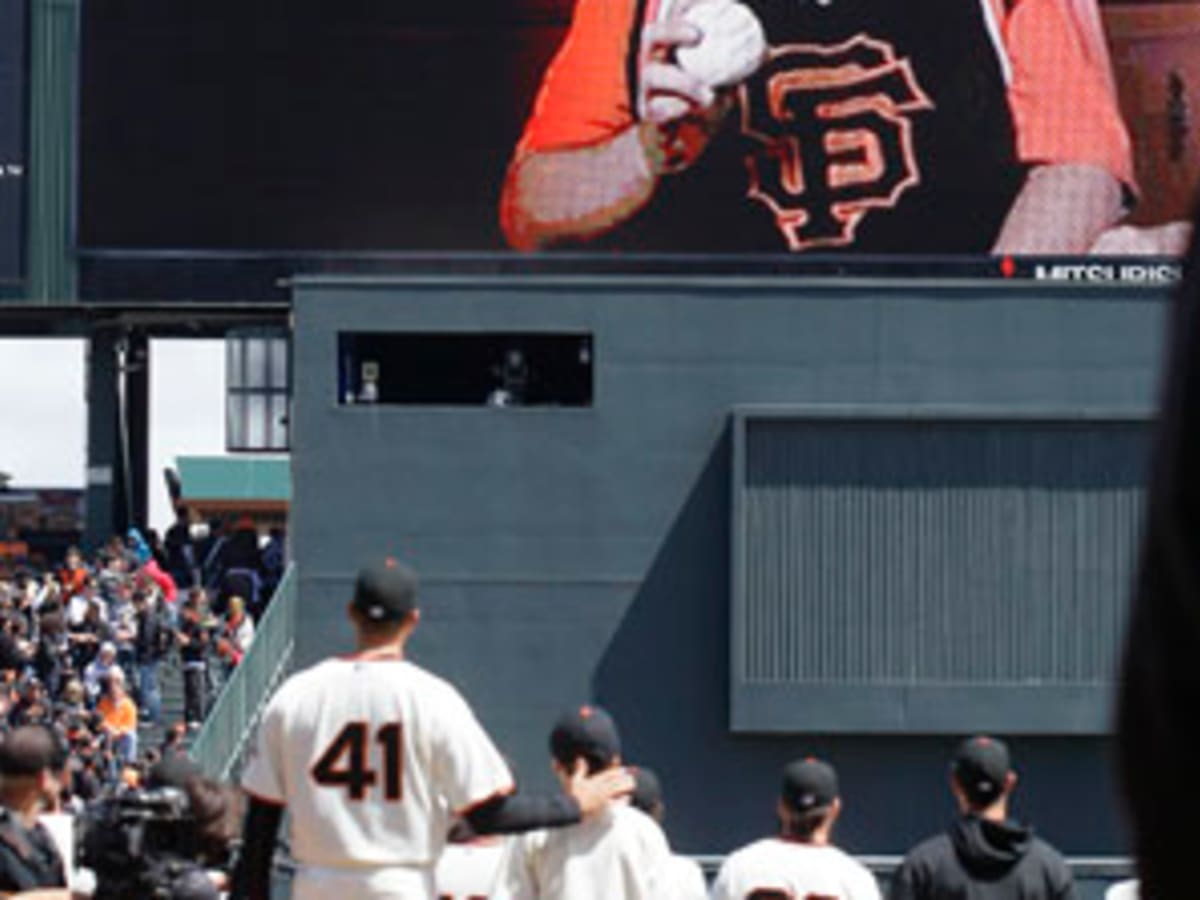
920	552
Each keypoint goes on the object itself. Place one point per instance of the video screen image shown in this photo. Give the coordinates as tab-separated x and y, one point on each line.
855	128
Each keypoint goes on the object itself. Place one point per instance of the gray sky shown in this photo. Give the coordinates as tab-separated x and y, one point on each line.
42	406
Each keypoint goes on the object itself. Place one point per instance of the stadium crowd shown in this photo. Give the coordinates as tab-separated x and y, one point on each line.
84	641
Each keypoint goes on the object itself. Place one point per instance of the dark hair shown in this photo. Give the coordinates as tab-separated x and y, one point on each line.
215	811
802	825
1156	715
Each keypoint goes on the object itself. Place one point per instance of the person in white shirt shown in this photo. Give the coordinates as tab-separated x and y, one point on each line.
801	860
372	756
685	875
98	670
620	854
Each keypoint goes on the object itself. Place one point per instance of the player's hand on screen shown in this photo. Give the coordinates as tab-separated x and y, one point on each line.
594	792
666	91
1171	239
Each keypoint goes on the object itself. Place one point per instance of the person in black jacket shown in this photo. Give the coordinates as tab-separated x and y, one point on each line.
984	855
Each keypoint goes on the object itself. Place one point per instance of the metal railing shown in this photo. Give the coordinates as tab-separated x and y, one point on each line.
222	739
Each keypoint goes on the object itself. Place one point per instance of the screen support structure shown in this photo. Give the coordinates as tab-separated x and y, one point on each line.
118	432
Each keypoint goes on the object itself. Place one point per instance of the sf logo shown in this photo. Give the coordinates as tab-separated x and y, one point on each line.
835	134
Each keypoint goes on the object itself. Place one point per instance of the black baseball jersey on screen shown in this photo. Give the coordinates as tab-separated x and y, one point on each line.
876	126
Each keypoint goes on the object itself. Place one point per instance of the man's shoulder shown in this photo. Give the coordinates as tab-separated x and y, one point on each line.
1048	856
391	677
647	831
754	852
935	846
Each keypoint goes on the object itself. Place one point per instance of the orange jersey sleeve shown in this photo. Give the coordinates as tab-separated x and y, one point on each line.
584	96
1062	96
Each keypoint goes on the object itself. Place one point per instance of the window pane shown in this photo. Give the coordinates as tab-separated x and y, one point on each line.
256	362
257	411
234	371
235	431
279	360
279	422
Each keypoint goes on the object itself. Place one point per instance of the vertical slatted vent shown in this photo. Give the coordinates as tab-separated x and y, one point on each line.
936	552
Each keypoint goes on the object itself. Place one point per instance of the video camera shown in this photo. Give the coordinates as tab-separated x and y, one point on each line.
145	844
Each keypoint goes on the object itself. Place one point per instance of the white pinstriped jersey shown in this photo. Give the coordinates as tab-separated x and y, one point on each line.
619	854
777	868
467	871
371	757
686	879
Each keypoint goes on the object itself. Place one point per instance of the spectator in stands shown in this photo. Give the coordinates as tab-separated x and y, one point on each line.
74	573
174	740
984	855
237	631
239	567
12	656
88	636
802	860
210	540
53	648
684	874
119	717
152	640
31	707
274	560
181	555
98	669
114	572
195	642
71	702
79	602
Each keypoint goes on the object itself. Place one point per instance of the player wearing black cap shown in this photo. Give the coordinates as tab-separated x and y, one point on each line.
983	855
801	861
683	873
372	757
620	854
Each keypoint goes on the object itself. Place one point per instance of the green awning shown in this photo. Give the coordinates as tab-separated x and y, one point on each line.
235	478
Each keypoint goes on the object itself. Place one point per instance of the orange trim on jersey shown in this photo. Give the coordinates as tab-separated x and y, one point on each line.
476	804
1062	98
584	97
259	798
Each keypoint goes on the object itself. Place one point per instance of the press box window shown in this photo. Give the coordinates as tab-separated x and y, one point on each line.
505	369
258	383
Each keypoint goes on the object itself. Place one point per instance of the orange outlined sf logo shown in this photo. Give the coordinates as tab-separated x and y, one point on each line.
836	137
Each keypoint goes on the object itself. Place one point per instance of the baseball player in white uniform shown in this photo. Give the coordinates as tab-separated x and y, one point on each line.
372	757
683	874
800	861
619	854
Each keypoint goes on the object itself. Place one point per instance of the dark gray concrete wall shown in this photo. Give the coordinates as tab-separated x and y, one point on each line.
583	554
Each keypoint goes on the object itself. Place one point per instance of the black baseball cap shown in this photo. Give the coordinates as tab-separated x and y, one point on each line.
809	784
386	592
980	767
589	732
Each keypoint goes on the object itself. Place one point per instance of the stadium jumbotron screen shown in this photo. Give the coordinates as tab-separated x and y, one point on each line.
995	131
